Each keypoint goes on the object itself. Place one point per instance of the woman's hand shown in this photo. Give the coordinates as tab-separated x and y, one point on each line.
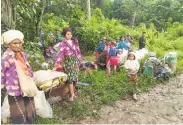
59	68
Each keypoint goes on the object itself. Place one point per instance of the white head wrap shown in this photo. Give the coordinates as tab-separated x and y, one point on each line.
11	35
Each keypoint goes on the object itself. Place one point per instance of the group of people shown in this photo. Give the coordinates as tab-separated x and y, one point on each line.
120	52
22	107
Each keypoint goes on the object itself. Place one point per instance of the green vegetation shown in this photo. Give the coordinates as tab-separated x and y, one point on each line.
162	20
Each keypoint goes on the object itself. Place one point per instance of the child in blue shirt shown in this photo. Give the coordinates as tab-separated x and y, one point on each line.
113	60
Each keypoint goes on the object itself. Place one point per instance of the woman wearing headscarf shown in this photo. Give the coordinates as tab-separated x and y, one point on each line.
69	57
22	108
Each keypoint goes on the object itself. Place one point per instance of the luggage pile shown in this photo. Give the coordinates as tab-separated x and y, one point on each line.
48	81
160	69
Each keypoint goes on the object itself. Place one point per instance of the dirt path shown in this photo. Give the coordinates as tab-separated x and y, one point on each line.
163	104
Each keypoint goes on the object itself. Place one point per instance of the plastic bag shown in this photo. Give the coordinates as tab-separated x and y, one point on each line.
140	54
5	110
42	106
43	76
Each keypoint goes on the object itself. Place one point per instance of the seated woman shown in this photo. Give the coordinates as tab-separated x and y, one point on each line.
123	44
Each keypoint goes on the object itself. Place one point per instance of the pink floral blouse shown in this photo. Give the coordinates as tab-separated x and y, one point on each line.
67	47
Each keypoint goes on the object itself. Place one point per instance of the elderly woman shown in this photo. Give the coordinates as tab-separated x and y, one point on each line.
22	108
69	57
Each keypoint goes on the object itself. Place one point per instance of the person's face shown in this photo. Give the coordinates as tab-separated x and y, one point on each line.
68	35
143	34
131	57
122	38
104	40
16	45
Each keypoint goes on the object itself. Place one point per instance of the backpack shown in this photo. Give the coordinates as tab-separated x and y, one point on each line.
151	65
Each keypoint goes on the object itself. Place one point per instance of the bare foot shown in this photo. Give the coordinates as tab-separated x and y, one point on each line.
71	99
75	97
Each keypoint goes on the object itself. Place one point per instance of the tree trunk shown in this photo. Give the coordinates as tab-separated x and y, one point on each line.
99	3
40	18
132	20
6	15
14	14
89	10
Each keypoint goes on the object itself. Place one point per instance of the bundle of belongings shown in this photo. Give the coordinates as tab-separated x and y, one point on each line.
87	65
140	54
170	60
46	79
154	67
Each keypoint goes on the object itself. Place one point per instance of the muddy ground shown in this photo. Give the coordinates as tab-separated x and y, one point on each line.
163	104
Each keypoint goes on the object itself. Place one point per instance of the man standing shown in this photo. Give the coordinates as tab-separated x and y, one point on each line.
142	41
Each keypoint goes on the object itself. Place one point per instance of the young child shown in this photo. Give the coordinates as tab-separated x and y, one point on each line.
112	60
121	56
132	65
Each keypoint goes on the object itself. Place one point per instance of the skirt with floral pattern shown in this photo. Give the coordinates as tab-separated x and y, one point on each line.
71	68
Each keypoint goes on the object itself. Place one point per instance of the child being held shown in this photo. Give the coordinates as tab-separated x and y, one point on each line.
132	66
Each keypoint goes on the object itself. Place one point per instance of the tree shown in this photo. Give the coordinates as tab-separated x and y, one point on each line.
7	15
127	10
99	3
89	10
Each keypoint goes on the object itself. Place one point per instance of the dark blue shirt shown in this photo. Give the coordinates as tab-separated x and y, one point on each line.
100	47
112	51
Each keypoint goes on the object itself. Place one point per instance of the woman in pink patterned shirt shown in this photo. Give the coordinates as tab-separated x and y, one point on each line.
22	108
69	57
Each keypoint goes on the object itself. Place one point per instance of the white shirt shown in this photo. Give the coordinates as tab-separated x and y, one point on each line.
132	64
